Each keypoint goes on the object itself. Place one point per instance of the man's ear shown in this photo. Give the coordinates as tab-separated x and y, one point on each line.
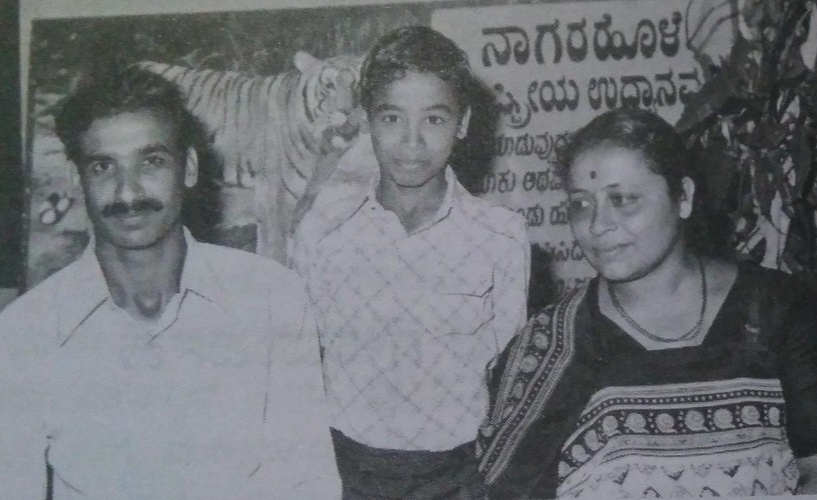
687	196
462	129
191	168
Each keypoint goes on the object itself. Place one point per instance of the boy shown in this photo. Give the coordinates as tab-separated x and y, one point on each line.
418	284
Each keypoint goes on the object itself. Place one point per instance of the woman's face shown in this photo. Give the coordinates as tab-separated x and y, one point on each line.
621	212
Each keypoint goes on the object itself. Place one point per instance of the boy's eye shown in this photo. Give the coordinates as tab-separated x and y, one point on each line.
436	120
390	118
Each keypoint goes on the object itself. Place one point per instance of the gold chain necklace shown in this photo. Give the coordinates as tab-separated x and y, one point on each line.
688	335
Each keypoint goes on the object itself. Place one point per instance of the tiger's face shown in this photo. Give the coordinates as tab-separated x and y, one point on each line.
333	116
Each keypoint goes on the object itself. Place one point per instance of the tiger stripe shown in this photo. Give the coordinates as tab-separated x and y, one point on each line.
270	131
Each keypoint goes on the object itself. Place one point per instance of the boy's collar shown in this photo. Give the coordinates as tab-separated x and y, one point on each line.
451	195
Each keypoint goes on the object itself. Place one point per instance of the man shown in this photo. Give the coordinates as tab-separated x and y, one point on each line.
156	366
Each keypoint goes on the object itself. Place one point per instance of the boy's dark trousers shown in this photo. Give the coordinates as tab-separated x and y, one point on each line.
378	474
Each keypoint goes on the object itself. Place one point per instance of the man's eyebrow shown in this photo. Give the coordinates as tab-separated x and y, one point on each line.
96	157
386	107
147	150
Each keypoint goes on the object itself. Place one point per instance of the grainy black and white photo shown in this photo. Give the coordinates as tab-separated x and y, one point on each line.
429	249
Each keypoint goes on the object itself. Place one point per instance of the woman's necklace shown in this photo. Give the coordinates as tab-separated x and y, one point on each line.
643	331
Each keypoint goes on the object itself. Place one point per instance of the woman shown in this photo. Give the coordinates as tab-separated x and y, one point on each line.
672	373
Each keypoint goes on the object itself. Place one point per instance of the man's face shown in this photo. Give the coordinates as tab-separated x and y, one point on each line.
415	122
133	176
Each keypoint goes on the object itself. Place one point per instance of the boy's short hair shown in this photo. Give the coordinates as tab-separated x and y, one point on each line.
419	49
122	90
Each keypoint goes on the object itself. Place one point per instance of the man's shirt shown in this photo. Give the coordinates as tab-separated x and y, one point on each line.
408	321
221	398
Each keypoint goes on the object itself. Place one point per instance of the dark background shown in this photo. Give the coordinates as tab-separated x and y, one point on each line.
11	178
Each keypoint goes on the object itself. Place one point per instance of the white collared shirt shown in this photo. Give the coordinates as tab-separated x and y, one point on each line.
408	321
221	398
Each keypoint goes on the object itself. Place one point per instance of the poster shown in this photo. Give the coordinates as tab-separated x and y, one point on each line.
253	46
548	68
552	69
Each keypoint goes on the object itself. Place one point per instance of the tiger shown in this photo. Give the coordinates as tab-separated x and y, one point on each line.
271	133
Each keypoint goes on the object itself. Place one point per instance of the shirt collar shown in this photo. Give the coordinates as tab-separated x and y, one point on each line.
363	159
199	274
451	199
83	289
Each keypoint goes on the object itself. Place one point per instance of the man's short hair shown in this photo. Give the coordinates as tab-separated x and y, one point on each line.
418	49
122	90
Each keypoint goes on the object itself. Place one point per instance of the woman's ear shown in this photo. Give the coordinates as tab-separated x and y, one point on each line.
687	196
191	168
462	129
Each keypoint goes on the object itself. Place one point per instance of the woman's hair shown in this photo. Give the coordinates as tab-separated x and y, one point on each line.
418	49
666	155
637	130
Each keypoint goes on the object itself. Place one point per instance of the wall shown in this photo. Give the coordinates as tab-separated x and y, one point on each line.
63	9
31	10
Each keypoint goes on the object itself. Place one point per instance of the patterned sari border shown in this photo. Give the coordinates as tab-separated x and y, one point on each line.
697	397
687	390
536	365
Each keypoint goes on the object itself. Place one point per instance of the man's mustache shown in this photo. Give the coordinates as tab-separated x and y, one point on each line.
141	205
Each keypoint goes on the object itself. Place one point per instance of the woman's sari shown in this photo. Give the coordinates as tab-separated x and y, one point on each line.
581	409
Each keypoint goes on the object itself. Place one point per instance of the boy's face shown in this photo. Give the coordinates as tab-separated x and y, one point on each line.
415	122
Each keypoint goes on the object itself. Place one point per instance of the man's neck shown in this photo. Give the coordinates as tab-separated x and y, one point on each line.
142	281
416	205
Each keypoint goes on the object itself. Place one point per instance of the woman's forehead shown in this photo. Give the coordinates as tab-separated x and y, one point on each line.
606	165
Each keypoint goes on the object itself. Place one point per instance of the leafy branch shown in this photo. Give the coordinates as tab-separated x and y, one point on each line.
754	123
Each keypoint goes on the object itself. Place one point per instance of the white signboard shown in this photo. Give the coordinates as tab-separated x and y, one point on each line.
553	67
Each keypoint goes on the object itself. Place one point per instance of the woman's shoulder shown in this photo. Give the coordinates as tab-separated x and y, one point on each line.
525	378
781	304
749	278
563	311
786	289
549	332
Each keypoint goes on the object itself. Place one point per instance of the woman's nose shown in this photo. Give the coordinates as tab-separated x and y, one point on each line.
602	219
